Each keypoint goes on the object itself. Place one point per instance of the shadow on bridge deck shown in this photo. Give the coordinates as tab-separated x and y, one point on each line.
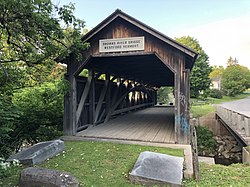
155	124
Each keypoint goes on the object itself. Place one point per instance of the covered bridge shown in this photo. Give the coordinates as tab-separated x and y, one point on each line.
127	62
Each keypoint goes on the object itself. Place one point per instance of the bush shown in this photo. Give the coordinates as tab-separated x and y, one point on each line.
42	112
6	168
9	118
205	141
215	93
34	114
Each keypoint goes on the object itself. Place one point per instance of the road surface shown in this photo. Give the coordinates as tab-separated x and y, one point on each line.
241	106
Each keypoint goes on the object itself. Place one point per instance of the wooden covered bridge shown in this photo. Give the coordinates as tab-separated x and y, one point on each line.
127	62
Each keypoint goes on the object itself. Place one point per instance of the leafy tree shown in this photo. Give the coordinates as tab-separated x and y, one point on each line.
216	72
36	32
235	79
9	117
36	114
33	34
199	77
231	61
163	94
32	31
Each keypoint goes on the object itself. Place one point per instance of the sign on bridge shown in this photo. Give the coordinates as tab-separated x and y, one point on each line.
121	44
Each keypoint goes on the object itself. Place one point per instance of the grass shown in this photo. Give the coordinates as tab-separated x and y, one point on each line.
99	163
201	107
235	175
108	164
11	181
202	110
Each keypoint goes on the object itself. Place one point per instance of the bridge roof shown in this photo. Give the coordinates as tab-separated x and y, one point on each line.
156	65
191	54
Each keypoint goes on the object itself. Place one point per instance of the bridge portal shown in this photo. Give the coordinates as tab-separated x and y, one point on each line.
126	63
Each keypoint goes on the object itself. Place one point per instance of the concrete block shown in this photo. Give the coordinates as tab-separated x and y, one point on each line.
247	125
207	160
245	156
157	169
234	119
38	152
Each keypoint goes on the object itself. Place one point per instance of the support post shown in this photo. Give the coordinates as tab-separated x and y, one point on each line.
101	99
177	109
92	97
195	153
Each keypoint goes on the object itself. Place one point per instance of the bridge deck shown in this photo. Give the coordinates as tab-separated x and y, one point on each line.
155	124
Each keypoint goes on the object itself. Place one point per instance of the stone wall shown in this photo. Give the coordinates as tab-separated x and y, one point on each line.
213	125
228	150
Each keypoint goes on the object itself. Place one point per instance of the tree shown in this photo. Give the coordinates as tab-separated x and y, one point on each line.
163	94
199	77
216	72
33	35
235	79
33	32
231	61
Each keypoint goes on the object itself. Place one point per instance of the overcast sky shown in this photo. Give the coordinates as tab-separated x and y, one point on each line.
221	26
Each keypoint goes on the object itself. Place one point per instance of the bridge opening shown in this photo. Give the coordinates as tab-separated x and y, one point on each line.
127	63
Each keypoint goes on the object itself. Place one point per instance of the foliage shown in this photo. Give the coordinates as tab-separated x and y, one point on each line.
32	31
219	175
199	107
205	141
232	62
163	95
6	168
34	114
199	77
215	93
216	72
34	34
42	112
235	80
101	163
9	117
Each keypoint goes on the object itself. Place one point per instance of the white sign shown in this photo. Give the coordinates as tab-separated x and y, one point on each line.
121	44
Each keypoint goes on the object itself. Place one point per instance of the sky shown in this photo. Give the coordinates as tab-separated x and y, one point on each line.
222	27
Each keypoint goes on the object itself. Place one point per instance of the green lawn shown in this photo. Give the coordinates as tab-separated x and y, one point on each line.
98	163
235	175
201	107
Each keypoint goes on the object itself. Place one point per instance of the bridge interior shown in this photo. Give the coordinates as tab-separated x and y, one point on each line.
117	93
154	124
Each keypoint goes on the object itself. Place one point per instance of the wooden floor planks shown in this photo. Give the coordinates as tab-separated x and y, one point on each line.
155	124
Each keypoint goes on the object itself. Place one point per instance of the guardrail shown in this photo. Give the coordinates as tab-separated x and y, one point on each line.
236	121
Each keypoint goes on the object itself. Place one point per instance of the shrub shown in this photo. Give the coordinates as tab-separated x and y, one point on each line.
205	141
9	118
42	112
215	93
34	114
6	168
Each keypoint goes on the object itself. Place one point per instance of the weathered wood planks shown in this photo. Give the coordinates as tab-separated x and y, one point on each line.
155	124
